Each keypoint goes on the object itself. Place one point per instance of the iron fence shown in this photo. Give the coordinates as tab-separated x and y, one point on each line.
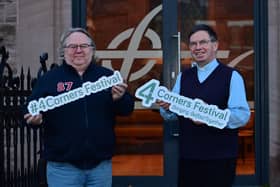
20	145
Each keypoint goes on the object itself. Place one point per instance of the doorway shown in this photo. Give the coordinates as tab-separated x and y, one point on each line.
147	40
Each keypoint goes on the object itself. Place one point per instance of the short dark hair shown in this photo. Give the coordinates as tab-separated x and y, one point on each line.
204	27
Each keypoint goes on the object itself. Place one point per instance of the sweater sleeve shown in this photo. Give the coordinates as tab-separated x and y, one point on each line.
37	92
125	105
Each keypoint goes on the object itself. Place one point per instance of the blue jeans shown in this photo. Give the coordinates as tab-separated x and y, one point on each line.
61	174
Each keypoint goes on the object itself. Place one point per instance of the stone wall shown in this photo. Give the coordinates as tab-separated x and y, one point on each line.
29	27
8	24
274	90
39	27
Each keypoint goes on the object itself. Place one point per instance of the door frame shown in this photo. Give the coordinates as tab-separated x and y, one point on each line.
261	176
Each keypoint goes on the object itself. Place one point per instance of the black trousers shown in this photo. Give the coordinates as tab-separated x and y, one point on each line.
206	173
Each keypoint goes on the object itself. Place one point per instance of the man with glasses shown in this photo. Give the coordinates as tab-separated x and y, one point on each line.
79	136
207	154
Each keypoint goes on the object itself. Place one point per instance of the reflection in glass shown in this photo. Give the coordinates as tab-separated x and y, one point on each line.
128	39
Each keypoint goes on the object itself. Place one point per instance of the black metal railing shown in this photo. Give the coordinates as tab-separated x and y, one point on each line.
20	145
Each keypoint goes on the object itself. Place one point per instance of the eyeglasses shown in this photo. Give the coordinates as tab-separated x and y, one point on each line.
74	47
201	43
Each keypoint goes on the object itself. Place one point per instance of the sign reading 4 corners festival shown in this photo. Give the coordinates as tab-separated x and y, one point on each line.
51	102
195	109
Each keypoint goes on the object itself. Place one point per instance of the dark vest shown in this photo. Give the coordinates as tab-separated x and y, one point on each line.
204	142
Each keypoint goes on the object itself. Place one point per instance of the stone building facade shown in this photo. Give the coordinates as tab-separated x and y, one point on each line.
8	28
30	27
274	90
40	24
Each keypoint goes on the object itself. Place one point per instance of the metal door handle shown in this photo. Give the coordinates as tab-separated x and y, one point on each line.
178	36
175	129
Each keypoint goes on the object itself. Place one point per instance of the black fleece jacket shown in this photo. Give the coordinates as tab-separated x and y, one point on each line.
80	132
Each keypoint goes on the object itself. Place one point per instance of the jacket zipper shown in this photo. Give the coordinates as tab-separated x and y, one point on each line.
86	123
85	107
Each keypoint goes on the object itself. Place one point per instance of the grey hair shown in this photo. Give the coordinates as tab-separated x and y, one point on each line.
67	33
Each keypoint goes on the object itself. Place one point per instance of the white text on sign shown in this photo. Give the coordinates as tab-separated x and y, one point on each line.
51	102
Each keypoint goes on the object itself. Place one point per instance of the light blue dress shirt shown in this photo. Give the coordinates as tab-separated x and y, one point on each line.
237	102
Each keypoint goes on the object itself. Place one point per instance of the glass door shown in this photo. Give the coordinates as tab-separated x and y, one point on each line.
128	36
147	40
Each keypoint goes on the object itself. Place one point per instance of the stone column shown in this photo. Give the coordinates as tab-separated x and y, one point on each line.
274	90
